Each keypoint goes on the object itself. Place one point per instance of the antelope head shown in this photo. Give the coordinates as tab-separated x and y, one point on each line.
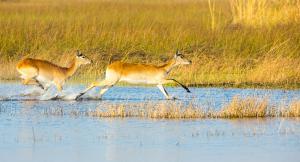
82	59
180	59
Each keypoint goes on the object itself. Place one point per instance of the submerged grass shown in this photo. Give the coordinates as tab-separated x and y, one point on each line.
229	41
250	107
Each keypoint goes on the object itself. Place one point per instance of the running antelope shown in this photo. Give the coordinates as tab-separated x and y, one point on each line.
44	73
140	74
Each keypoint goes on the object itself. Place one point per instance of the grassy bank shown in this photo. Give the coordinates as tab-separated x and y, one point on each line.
231	42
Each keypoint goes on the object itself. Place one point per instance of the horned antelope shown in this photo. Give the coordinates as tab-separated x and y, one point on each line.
44	73
140	73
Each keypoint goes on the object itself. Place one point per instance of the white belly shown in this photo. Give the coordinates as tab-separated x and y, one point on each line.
43	80
139	80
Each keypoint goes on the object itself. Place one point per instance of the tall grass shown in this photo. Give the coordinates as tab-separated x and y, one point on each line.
229	41
212	12
257	13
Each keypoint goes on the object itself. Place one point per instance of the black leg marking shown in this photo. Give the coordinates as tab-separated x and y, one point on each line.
39	83
183	86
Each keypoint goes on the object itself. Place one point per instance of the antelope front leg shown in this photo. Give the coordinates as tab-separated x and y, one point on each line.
86	90
59	88
163	90
166	81
94	84
104	89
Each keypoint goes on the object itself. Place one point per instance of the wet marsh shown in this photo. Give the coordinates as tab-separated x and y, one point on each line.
135	123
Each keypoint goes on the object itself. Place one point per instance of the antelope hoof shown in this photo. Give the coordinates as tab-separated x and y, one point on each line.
78	96
98	98
46	98
56	97
94	98
172	98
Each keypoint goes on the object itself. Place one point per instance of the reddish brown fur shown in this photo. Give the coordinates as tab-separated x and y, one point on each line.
126	69
45	73
140	73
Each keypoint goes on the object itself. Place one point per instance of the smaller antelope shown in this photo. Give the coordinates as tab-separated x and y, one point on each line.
140	73
44	73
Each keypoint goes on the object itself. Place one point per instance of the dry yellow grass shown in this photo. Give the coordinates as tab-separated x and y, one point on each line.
292	110
257	13
250	107
236	42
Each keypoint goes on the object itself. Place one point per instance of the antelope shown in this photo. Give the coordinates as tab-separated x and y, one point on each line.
140	73
44	73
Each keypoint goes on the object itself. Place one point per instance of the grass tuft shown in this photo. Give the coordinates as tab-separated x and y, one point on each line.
249	107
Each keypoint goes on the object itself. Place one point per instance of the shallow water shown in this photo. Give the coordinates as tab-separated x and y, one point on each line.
28	132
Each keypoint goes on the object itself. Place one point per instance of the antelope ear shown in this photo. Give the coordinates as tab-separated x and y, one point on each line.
78	53
177	53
